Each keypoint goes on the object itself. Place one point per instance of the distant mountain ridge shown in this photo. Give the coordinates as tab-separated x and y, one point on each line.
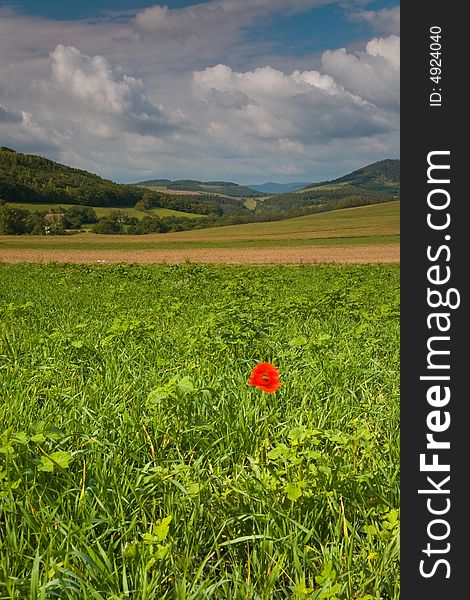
226	188
35	180
372	184
271	187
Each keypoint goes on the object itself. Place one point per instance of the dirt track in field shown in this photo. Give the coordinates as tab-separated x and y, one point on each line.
386	253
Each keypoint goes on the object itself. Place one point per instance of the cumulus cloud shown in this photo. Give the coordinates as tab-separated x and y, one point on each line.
372	73
388	48
96	82
301	106
175	93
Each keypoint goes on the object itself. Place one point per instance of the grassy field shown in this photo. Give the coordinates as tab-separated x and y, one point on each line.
105	211
160	188
136	462
375	224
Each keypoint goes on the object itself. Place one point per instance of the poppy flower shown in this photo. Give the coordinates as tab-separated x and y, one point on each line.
266	377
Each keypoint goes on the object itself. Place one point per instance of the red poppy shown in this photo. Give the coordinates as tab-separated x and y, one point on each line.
266	377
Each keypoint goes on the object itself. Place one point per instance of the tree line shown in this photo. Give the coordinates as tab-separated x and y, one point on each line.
31	179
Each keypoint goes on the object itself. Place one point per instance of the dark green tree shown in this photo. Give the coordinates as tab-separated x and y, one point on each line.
13	221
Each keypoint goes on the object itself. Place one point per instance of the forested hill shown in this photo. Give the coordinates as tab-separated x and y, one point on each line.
34	179
375	183
226	188
382	175
31	179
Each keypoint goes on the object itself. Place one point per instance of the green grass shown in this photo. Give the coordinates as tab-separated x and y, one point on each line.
136	462
143	243
104	211
325	186
250	203
378	224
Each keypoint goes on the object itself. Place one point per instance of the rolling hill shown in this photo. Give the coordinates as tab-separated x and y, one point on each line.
38	184
382	175
373	184
224	188
278	188
35	180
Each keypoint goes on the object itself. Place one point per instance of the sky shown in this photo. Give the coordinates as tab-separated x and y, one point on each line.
247	91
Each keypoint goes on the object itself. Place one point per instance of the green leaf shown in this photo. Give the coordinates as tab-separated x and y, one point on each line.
391	518
313	454
186	385
21	437
54	433
279	451
161	528
298	435
298	341
56	459
157	394
370	529
330	591
293	491
193	489
302	590
159	531
130	550
161	551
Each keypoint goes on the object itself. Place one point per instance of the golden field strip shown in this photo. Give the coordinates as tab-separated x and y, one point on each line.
366	234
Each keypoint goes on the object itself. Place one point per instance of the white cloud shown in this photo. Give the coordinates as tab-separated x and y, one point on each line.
173	93
384	21
373	74
216	16
388	48
302	106
104	89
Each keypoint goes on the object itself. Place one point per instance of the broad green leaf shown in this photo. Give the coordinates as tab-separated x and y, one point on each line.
293	491
298	341
60	459
161	551
302	590
193	489
370	529
54	433
186	385
161	528
7	449
21	437
157	394
330	591
279	451
130	550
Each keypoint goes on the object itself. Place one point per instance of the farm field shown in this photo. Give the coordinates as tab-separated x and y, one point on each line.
136	462
365	234
105	211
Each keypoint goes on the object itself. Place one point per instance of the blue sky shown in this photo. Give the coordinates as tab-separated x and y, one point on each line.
83	9
279	90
